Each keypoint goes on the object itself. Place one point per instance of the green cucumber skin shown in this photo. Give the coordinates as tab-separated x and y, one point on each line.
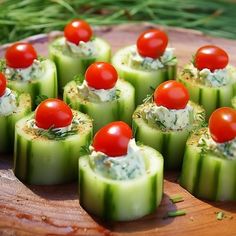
144	82
171	144
210	98
121	200
68	67
104	112
234	102
48	162
7	124
208	177
45	85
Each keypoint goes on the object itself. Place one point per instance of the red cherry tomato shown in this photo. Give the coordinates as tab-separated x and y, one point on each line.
113	139
152	43
211	57
101	75
222	124
20	55
53	113
3	84
172	95
78	30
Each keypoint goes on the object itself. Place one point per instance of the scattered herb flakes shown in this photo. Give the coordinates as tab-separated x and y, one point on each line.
176	213
220	215
176	198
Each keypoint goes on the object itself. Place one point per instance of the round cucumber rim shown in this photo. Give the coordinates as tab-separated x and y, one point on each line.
154	162
121	53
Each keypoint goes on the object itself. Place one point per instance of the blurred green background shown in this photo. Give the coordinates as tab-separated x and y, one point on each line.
19	19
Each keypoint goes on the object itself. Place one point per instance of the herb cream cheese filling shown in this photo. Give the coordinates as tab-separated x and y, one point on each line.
8	103
92	94
170	119
32	72
217	78
83	49
227	149
148	63
129	166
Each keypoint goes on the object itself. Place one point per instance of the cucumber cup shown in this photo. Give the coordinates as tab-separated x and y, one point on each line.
7	123
26	73
70	63
209	83
120	105
120	199
209	168
161	134
46	156
146	71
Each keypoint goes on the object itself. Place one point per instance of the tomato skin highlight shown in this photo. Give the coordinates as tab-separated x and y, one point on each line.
211	57
222	124
20	55
152	43
78	30
3	84
172	95
53	113
113	139
101	75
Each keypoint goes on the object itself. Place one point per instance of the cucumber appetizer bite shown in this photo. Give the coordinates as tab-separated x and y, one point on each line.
146	64
209	165
210	80
26	73
101	95
120	180
78	49
166	122
13	106
48	143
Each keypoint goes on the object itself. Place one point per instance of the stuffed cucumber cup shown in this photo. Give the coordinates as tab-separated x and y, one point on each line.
165	123
74	52
209	165
48	143
146	64
26	73
102	95
210	81
13	106
120	180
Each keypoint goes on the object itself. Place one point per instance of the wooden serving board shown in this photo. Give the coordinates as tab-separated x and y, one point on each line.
55	210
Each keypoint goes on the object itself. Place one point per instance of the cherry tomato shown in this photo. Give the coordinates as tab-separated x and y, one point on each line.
113	139
20	55
222	124
101	75
172	95
152	43
211	57
78	30
3	84
53	113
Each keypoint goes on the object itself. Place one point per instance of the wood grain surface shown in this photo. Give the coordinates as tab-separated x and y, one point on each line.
55	210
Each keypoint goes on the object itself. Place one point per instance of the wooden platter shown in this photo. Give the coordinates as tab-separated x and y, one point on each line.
55	210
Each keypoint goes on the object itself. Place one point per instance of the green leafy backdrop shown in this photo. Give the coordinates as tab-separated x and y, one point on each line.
19	19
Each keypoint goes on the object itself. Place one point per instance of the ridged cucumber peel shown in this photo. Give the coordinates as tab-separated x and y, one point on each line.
143	81
210	98
42	161
7	123
234	102
103	113
206	175
170	144
117	200
69	65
